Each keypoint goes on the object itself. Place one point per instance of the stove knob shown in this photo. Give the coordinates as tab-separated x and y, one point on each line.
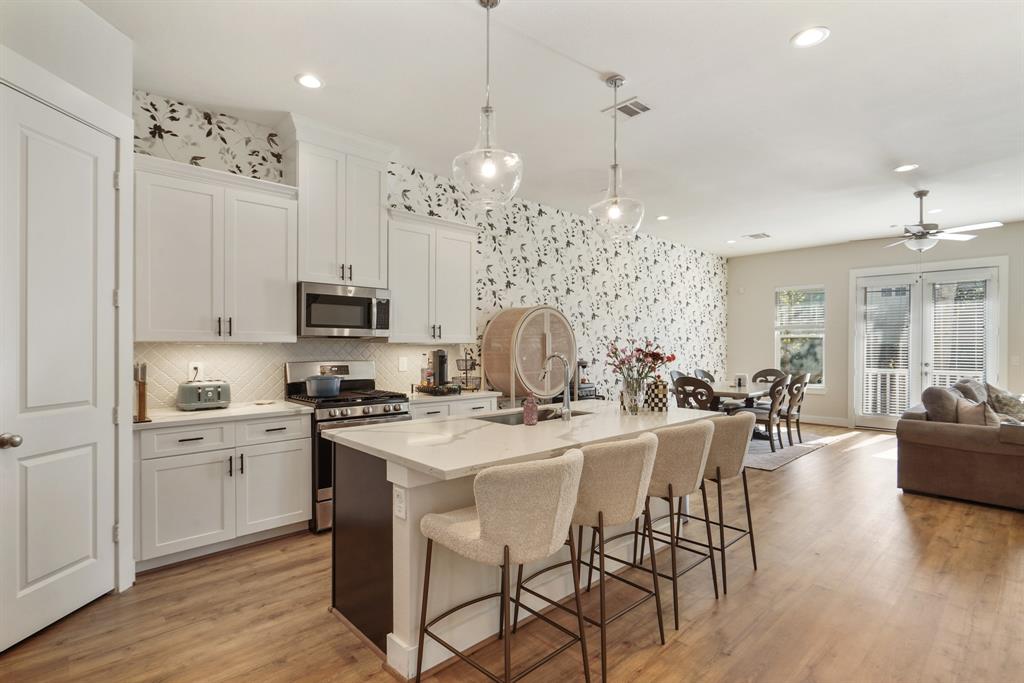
367	410
333	412
346	412
387	408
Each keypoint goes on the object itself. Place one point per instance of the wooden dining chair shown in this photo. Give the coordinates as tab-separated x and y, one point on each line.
673	375
771	417
767	375
796	390
693	393
704	375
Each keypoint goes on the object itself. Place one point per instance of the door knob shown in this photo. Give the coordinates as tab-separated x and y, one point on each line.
10	440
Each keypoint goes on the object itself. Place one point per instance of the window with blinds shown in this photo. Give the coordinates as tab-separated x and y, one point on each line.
800	332
885	386
959	331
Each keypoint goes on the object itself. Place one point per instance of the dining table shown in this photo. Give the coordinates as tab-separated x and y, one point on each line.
748	393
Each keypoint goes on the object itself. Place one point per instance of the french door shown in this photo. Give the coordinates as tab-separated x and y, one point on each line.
917	330
57	365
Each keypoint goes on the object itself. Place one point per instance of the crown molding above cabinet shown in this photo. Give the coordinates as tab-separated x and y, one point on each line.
176	169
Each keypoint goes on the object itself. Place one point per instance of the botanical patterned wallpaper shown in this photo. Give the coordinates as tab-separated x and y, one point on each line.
528	254
175	130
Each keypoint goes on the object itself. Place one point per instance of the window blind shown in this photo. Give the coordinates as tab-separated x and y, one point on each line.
959	331
886	381
800	309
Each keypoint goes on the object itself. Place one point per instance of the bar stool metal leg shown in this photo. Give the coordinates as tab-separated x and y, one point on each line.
575	561
672	549
654	570
604	623
506	569
750	521
501	608
519	592
423	611
707	527
721	527
590	567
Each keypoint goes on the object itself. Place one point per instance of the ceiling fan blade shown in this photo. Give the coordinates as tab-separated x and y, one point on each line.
976	226
894	244
956	237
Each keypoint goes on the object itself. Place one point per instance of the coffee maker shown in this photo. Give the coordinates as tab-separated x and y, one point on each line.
439	361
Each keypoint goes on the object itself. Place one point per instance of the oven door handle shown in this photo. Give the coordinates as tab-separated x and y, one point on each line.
360	422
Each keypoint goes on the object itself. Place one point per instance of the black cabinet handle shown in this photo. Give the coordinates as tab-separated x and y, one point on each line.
276	429
241	464
479	407
231	465
350	271
220	322
193	438
231	326
439	333
433	412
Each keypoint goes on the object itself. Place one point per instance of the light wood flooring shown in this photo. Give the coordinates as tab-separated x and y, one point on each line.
857	582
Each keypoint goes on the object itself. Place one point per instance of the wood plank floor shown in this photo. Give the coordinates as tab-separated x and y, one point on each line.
857	582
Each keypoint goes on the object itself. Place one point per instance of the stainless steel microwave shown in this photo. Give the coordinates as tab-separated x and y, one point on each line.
343	311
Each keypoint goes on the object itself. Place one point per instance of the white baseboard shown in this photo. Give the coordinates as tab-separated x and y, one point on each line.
827	421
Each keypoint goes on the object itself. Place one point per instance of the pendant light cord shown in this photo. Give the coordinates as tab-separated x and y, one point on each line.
615	140
487	68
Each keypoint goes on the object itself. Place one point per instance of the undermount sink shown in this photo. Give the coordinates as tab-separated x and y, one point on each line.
517	417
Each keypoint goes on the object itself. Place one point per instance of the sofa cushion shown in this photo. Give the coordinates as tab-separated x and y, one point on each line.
973	390
970	413
1004	402
941	403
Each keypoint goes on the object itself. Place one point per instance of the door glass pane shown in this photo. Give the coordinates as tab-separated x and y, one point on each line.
886	355
959	332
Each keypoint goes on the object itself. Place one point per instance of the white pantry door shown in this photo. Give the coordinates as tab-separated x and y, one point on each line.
57	365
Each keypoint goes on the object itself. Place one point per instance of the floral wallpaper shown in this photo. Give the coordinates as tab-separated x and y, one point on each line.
528	254
175	130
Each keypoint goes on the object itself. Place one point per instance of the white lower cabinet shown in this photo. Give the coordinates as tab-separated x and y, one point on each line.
188	500
273	486
459	405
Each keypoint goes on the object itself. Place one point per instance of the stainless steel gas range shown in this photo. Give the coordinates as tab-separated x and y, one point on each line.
358	403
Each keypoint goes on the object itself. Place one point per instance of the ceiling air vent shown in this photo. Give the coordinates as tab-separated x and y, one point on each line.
757	236
630	108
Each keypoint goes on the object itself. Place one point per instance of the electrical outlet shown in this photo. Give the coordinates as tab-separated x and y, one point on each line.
398	506
196	371
403	364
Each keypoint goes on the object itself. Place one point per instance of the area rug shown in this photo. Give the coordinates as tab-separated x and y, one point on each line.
760	456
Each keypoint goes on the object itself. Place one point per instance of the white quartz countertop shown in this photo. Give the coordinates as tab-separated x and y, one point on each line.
421	399
172	417
455	447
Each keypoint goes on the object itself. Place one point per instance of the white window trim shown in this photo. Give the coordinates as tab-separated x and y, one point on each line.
816	389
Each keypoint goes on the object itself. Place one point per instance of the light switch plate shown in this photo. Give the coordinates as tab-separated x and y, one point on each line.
398	502
403	364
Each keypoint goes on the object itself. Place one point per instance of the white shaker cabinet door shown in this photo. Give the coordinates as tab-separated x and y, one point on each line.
273	485
321	215
179	259
366	225
412	282
187	501
260	268
454	297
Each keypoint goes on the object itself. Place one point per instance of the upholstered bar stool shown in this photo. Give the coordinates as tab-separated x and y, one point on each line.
613	491
678	472
522	514
725	462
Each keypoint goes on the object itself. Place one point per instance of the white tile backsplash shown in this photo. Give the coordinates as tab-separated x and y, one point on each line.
256	371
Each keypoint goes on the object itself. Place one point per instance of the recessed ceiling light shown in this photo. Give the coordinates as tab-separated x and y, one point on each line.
309	81
934	210
730	241
906	168
810	37
662	218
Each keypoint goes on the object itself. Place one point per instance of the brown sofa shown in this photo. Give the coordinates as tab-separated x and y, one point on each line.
984	464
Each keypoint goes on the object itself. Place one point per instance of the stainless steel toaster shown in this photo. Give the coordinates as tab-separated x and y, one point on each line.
204	395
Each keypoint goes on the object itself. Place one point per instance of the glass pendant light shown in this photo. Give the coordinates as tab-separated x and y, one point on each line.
618	217
488	175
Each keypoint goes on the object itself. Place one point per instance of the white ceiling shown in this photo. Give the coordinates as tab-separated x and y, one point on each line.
747	134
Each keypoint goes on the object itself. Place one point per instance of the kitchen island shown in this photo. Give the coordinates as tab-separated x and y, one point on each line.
388	476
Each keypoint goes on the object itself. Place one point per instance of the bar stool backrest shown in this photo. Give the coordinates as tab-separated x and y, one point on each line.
729	444
528	506
615	479
682	455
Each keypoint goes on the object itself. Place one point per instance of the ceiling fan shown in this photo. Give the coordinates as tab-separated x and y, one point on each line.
921	236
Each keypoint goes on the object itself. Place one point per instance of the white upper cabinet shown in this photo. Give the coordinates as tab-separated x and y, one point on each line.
432	286
343	234
215	255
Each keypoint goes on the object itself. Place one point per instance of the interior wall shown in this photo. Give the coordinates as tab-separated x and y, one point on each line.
528	254
754	279
74	43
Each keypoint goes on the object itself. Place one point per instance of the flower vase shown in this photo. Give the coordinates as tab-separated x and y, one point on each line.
632	395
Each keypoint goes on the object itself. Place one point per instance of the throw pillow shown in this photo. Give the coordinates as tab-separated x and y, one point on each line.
1004	402
941	403
970	413
972	389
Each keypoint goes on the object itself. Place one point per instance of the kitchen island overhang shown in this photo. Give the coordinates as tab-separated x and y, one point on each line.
387	477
